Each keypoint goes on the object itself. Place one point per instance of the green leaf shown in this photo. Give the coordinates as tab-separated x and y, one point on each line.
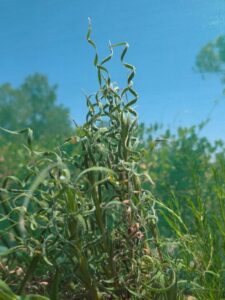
7	251
95	169
130	103
33	297
4	289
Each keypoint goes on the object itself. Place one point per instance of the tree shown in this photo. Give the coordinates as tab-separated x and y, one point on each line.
181	165
211	58
33	105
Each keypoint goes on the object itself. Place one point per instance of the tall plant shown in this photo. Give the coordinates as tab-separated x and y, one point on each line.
82	223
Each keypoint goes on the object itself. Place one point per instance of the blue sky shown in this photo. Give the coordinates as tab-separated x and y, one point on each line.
48	36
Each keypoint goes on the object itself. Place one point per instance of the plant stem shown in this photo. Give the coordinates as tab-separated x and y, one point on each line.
29	273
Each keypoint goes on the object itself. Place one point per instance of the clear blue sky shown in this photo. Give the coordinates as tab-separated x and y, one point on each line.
48	36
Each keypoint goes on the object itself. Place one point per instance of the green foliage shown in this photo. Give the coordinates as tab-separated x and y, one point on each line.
211	58
81	221
181	163
32	105
7	294
189	177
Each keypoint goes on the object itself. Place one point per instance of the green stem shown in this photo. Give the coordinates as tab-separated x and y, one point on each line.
30	270
54	292
7	212
154	233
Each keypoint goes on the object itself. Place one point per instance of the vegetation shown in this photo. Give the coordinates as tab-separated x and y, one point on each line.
211	58
114	212
32	105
